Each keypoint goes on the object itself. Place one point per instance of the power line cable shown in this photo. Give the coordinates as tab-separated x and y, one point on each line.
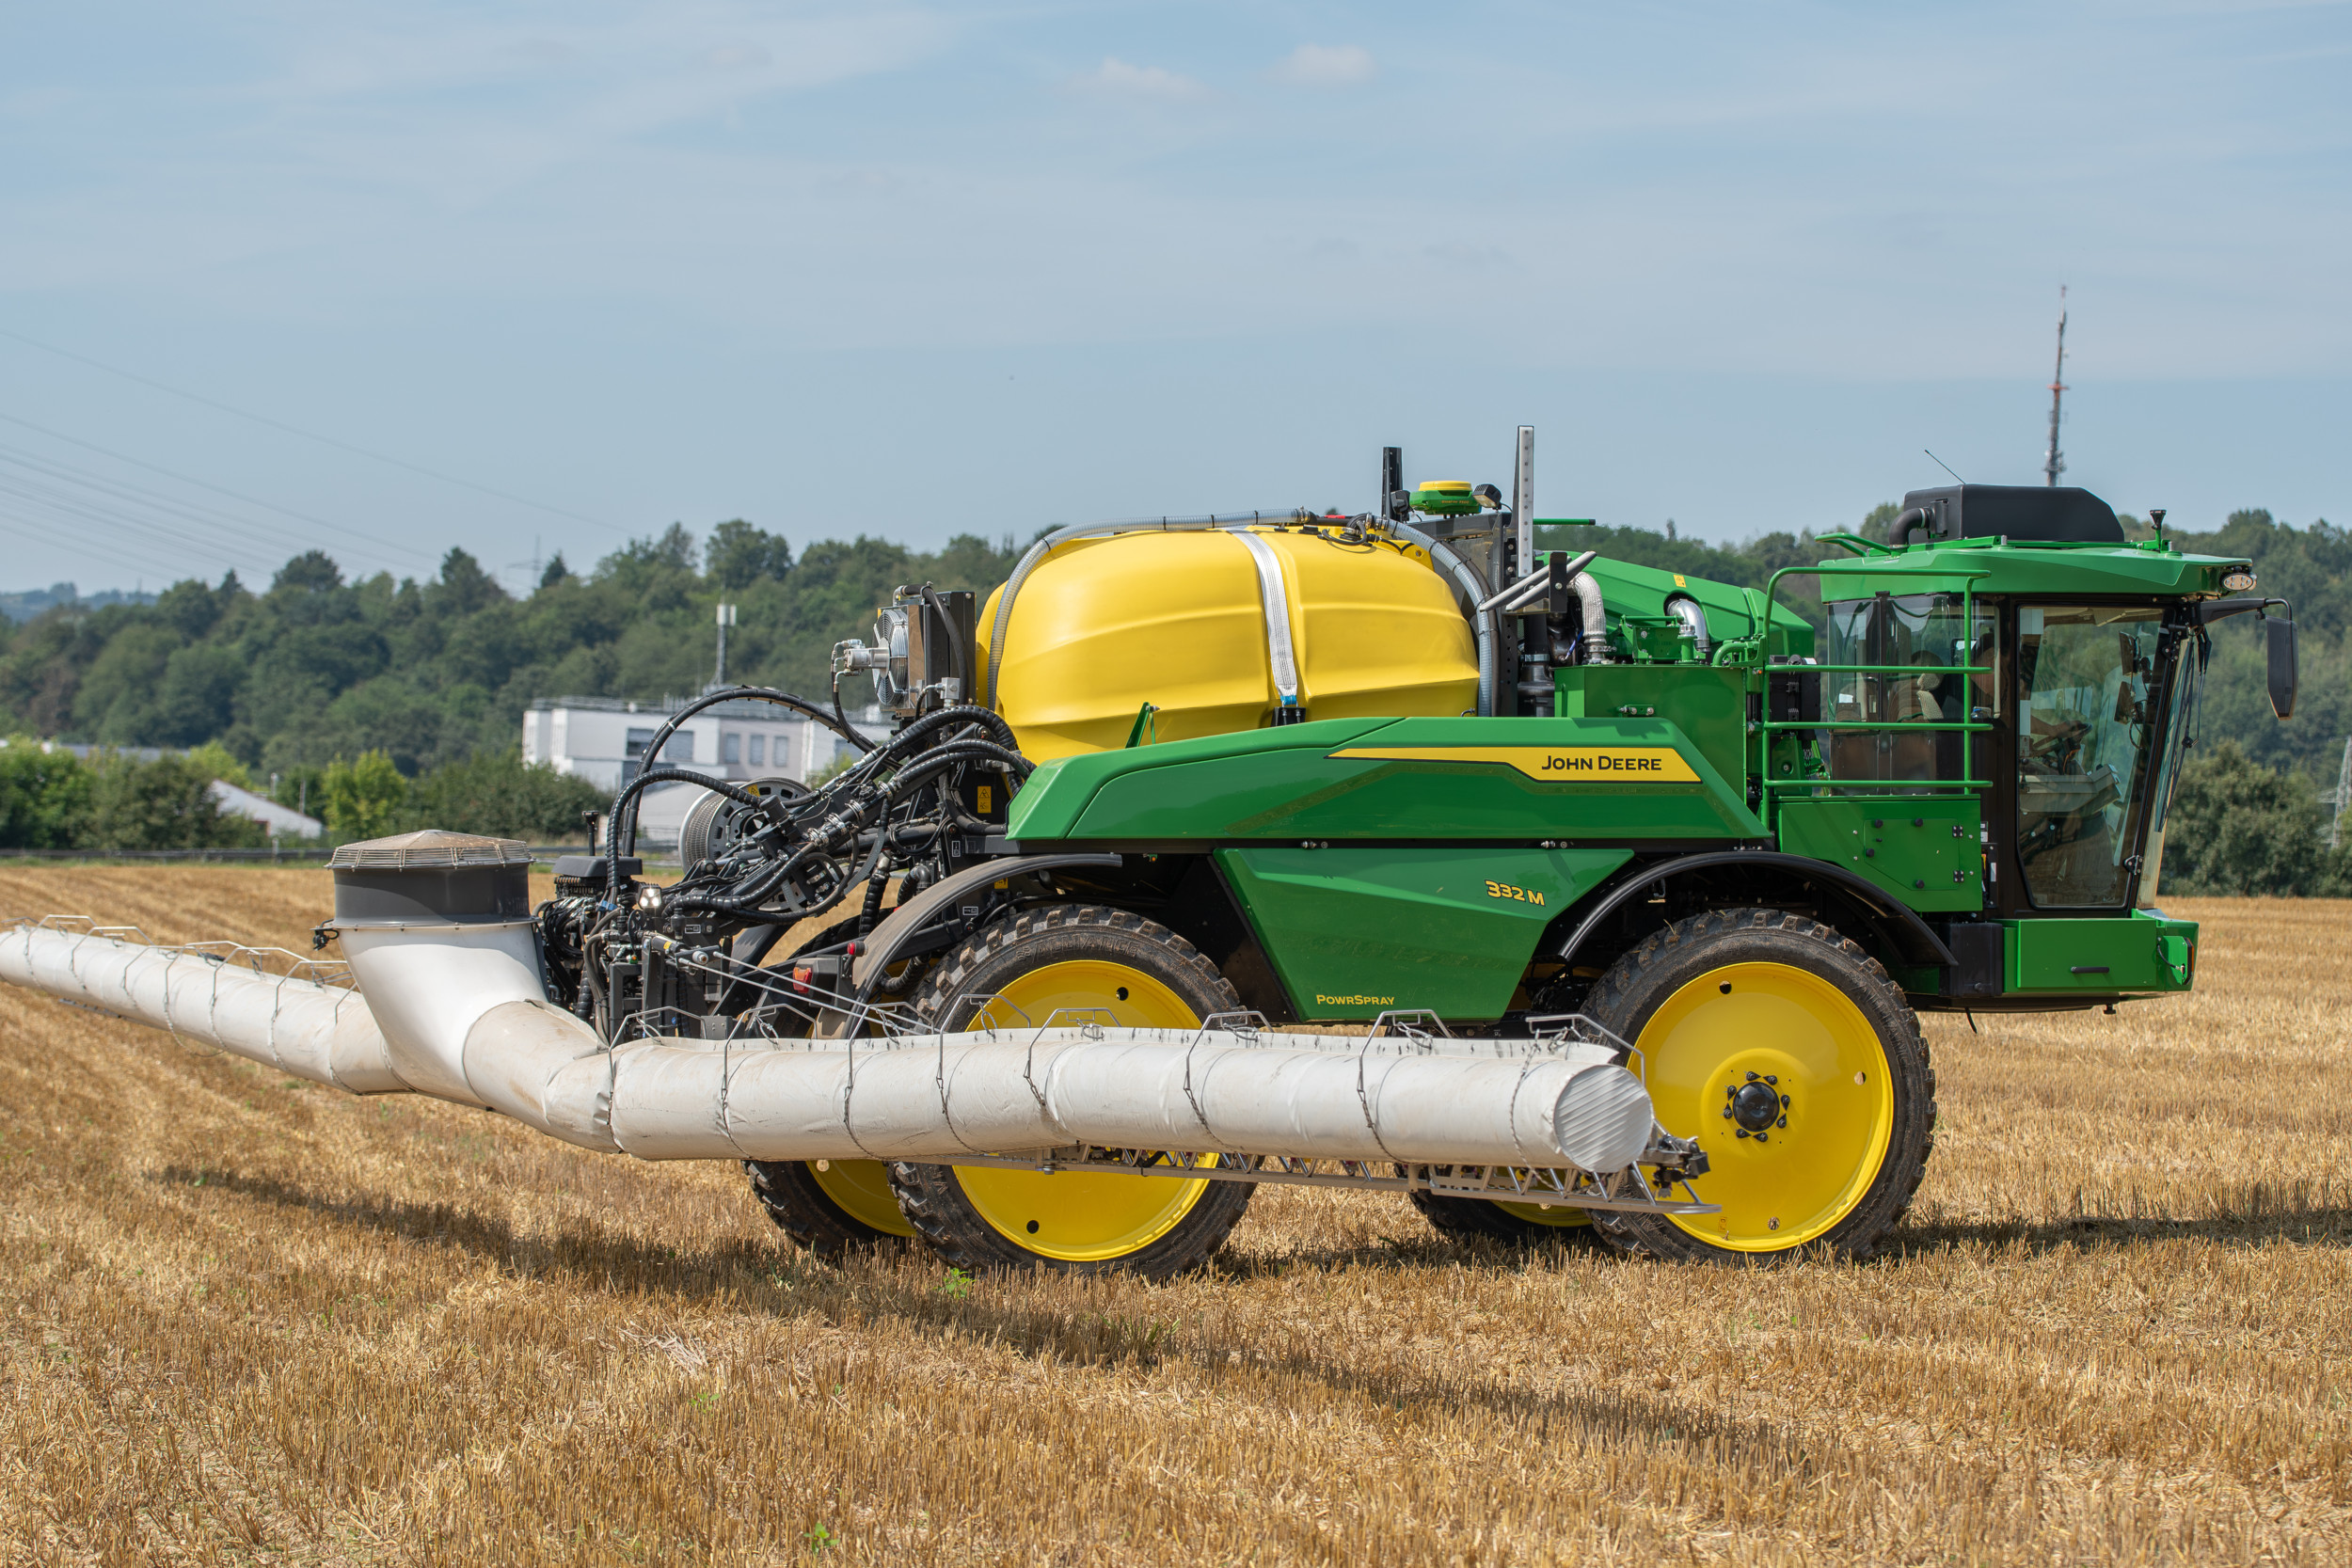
165	519
236	532
37	532
202	484
47	532
306	434
149	535
228	532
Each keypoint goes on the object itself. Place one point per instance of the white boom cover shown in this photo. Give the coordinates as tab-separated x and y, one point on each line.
460	1014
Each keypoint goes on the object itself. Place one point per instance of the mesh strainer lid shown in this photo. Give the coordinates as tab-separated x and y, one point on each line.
431	847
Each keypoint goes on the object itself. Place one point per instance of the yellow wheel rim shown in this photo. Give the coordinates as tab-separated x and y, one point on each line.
862	1188
1558	1217
1082	1217
1771	1029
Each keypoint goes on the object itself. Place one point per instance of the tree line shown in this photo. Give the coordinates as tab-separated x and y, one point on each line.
50	799
378	702
316	666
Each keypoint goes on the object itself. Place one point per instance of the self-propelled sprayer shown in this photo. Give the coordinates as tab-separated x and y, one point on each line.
1575	898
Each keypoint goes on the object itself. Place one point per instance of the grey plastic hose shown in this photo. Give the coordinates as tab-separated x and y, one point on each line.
1694	618
1596	615
1465	580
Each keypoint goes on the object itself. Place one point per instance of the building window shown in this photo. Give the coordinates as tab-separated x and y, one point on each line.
760	750
638	742
730	748
680	749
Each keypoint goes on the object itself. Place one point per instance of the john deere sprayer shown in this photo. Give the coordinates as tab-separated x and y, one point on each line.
1577	899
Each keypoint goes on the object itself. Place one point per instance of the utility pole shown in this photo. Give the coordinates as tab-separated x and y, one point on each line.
726	619
2344	796
2053	464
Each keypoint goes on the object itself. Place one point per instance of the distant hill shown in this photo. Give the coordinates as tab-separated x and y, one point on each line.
34	602
316	666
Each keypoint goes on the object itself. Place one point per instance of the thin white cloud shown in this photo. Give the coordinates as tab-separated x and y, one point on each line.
1326	65
1116	78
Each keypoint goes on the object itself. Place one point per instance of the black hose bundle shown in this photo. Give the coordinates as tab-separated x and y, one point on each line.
858	811
623	829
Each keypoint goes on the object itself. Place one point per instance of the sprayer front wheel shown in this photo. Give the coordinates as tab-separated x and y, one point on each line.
1087	962
1797	1063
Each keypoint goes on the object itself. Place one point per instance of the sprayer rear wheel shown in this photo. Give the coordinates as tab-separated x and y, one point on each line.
1117	968
828	1207
1516	1224
1797	1063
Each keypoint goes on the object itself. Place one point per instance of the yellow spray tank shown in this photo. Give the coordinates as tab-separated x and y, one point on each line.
1224	625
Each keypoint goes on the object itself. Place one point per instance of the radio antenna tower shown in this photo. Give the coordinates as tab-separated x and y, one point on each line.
2053	464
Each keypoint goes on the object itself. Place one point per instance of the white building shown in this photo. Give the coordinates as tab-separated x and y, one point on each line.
603	739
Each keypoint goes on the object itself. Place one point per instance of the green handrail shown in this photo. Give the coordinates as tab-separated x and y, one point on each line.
1967	577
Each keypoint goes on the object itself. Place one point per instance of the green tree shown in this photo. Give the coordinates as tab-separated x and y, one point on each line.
497	794
465	587
310	573
215	762
739	555
164	805
44	797
362	799
2240	828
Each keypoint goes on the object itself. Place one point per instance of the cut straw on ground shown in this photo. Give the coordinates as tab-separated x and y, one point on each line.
244	1319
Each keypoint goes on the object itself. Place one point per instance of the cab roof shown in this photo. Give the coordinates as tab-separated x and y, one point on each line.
2019	539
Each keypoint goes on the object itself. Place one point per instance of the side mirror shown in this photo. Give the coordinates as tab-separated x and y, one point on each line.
2281	639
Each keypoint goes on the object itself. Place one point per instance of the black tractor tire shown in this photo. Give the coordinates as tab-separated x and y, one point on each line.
991	963
1475	1219
805	1212
791	1190
1783	948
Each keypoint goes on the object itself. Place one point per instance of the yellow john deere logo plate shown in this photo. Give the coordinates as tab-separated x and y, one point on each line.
1551	764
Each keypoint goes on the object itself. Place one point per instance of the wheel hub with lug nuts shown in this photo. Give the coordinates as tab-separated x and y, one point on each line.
1756	1106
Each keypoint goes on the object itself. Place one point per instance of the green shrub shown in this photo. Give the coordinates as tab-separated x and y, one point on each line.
44	797
496	793
164	805
362	799
2240	828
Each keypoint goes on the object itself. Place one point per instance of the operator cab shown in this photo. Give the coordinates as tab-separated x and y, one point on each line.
2066	713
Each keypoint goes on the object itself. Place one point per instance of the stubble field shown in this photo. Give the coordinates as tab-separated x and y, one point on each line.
247	1320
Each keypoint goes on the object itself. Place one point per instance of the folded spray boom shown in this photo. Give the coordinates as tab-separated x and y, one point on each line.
459	1012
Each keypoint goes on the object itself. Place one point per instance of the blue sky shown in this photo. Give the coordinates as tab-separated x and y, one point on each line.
914	270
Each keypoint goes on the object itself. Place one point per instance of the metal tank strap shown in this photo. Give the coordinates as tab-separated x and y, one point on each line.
1276	595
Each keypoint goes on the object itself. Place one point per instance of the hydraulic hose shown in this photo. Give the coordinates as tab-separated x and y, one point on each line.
620	838
829	833
980	718
920	730
834	721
